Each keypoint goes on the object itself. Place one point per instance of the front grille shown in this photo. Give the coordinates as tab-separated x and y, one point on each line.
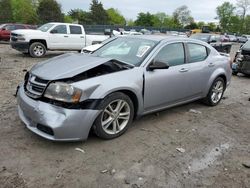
34	86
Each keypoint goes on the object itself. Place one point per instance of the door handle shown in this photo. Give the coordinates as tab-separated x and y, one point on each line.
183	70
82	37
211	64
66	36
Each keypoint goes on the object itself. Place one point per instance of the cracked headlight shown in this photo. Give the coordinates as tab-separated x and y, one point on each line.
63	92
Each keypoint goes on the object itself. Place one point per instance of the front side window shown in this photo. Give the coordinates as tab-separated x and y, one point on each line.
75	30
45	27
173	54
197	52
60	29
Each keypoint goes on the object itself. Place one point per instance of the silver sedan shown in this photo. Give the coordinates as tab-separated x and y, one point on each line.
65	97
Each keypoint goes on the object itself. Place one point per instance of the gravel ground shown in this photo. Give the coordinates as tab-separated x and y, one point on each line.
213	144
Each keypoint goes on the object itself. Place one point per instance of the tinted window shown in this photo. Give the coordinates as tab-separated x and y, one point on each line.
60	29
197	52
75	29
173	54
19	27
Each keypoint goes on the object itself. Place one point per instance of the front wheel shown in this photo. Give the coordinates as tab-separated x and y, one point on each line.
116	116
216	92
37	49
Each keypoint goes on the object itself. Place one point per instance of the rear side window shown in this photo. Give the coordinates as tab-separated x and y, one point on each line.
75	30
173	54
197	52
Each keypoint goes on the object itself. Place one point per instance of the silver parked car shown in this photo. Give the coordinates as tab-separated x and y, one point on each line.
65	97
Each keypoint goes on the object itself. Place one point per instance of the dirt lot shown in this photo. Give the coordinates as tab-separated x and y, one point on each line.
216	143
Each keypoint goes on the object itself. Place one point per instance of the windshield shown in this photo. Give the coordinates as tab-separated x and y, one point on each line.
129	50
45	27
247	45
204	38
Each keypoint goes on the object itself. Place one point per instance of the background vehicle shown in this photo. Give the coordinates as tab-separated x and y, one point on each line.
214	40
5	29
53	36
243	38
242	60
232	38
127	77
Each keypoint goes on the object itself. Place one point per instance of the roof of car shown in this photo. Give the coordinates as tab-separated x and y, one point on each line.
153	37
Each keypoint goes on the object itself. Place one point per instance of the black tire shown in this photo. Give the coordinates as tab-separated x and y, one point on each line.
37	49
111	100
235	73
208	100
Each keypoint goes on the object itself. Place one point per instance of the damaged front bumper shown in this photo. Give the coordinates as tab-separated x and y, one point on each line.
53	122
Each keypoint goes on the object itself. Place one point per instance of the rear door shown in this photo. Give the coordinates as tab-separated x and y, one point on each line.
196	76
77	37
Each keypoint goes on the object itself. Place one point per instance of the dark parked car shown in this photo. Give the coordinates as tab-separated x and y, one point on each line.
242	60
5	29
217	41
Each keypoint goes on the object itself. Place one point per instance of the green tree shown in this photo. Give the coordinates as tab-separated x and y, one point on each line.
144	19
6	11
159	19
183	15
225	13
115	17
192	25
211	26
130	22
23	11
80	16
200	24
98	14
244	6
170	22
49	11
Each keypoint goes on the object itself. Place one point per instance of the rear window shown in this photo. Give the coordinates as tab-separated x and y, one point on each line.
197	52
75	30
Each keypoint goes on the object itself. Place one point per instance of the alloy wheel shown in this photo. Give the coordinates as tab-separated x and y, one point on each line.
115	116
217	91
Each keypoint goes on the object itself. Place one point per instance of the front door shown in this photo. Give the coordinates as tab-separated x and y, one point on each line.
59	38
164	87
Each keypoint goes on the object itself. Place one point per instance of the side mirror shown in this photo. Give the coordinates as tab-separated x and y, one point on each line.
158	65
3	29
53	31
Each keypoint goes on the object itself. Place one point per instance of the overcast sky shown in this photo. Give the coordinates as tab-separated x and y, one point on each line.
200	10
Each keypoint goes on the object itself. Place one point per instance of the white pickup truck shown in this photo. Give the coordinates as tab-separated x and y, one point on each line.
53	36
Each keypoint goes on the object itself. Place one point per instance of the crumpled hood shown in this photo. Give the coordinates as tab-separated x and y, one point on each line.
28	32
66	66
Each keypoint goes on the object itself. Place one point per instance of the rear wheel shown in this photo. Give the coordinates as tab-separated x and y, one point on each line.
216	92
116	116
37	49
